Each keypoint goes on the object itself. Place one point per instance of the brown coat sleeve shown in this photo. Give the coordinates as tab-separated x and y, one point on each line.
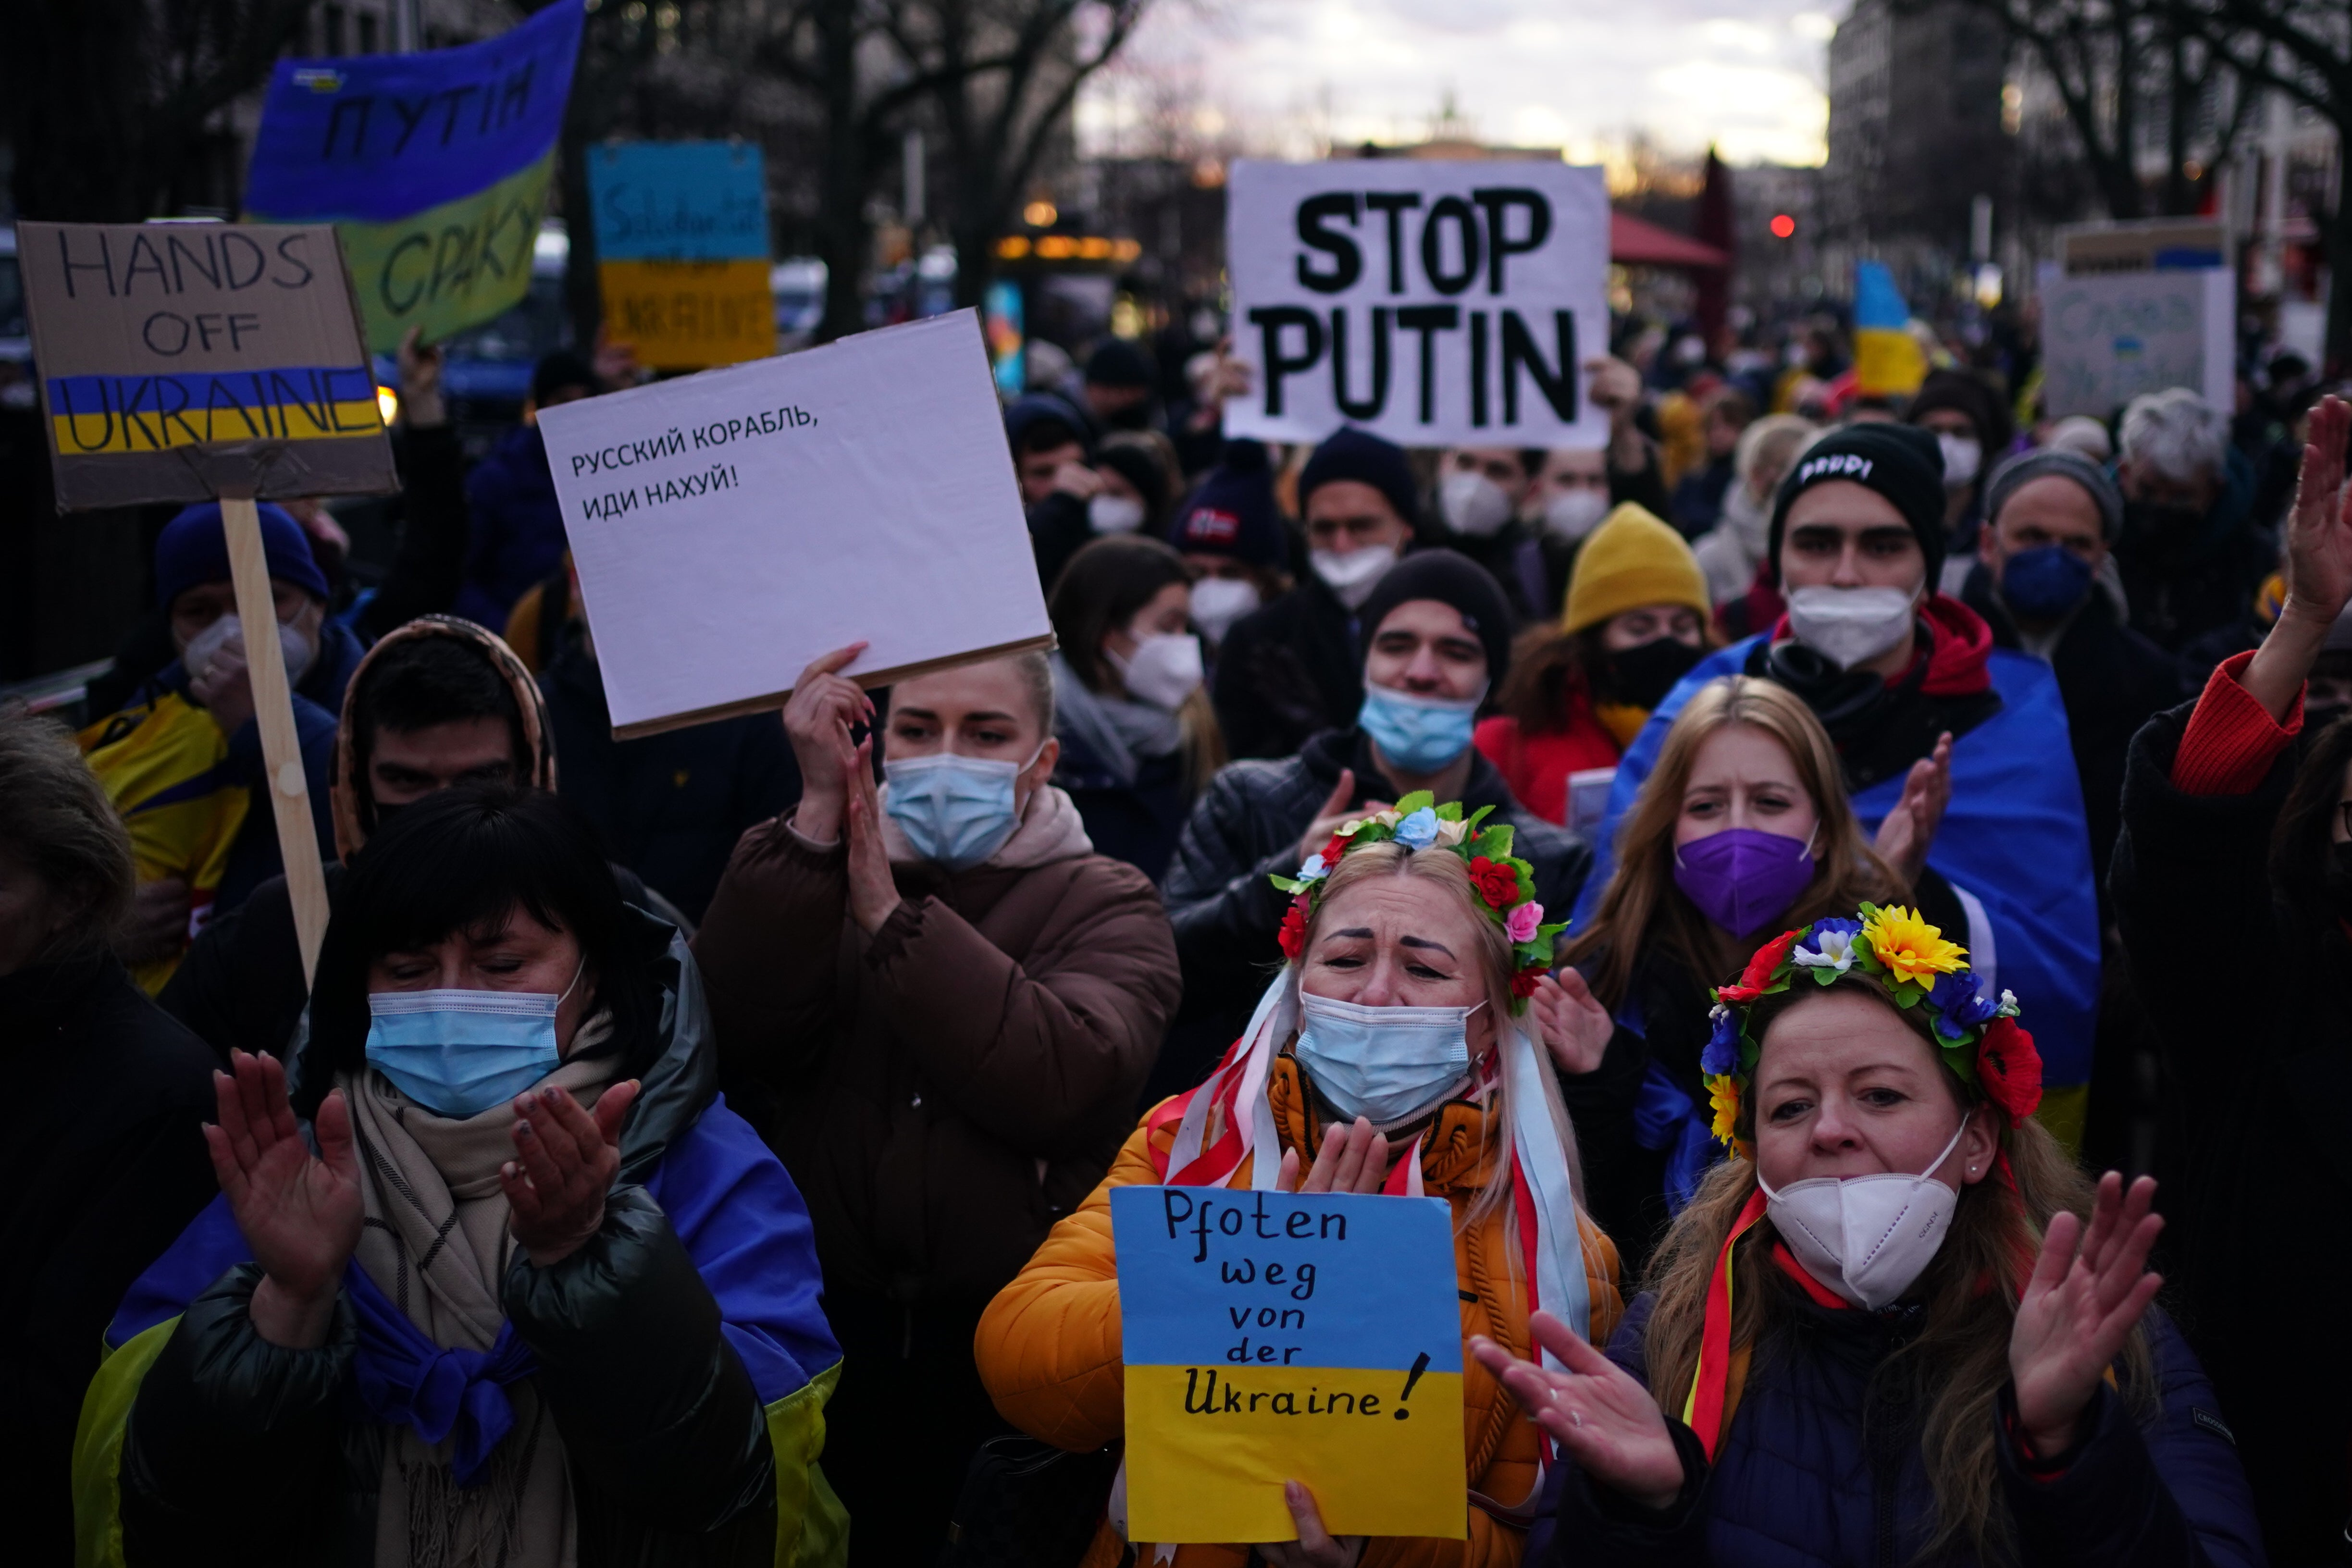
1033	1051
770	947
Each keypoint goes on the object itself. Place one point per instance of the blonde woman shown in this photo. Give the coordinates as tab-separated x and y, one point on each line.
1745	824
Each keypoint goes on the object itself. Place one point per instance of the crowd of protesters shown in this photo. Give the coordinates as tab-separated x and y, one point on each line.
1820	837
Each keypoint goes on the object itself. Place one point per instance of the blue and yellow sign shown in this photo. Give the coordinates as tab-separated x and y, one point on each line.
433	168
1270	1337
682	251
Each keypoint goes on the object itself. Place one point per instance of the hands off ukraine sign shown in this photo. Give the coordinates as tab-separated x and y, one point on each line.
1271	1337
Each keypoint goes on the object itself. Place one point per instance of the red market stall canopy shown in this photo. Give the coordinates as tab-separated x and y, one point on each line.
1633	243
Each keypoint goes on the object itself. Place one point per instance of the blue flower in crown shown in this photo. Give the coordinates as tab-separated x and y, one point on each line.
1722	1052
1419	830
1958	1007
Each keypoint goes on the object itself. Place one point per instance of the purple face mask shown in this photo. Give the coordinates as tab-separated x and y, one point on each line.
1742	879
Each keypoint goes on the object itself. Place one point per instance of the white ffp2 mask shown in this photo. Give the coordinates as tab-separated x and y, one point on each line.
1866	1238
1850	626
1164	671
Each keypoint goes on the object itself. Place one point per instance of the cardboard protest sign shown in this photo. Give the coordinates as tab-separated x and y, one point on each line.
682	251
434	166
181	362
1269	1337
2109	336
1435	304
733	526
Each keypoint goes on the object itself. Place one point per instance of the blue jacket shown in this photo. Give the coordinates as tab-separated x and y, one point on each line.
2012	841
1797	1482
518	525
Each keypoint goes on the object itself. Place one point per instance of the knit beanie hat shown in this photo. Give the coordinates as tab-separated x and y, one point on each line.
1134	461
1632	559
1232	511
2046	462
1367	459
1036	410
1901	462
1966	393
1449	579
1120	363
193	550
560	370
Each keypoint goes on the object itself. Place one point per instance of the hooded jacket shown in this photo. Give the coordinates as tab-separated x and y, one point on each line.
2012	843
681	1351
1049	1345
241	986
947	1086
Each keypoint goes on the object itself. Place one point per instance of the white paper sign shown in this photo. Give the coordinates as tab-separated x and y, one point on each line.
1435	304
731	525
2109	338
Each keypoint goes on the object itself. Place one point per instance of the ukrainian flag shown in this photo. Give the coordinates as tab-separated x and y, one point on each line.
1887	359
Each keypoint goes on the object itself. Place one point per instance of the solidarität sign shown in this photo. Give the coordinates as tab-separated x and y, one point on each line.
682	251
1272	1336
181	362
730	527
1434	304
434	166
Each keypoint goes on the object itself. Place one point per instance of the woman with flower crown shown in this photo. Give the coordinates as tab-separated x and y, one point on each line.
1897	1326
1743	827
1399	1049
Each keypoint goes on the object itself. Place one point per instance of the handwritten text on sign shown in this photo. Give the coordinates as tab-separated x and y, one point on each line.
1435	304
1270	1337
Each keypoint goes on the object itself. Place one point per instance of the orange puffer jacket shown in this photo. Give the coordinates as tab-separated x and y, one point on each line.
1049	1344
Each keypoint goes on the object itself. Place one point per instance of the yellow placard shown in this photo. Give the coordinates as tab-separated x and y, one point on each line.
690	315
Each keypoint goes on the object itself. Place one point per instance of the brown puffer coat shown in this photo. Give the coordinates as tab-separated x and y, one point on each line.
950	1086
1049	1344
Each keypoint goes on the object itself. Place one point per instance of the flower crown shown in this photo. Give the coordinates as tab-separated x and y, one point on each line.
1909	960
1506	885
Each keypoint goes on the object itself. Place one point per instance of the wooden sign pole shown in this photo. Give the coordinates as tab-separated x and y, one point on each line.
273	710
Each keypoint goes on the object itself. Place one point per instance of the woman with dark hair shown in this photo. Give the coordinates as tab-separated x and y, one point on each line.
2238	840
105	1095
1897	1326
537	1297
1139	737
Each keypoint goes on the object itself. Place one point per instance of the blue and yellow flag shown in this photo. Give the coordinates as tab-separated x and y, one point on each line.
1887	359
682	251
1268	1337
433	167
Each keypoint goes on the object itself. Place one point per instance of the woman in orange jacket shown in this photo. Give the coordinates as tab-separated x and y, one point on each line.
1412	907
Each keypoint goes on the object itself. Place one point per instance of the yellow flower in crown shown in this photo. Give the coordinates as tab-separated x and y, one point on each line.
1910	948
1723	1096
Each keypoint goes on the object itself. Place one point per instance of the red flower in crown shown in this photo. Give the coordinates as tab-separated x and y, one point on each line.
1499	881
2009	1070
1524	983
1759	973
1294	928
1331	854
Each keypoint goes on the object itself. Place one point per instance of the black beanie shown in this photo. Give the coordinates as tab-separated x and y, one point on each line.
1901	462
1120	363
1368	460
1449	579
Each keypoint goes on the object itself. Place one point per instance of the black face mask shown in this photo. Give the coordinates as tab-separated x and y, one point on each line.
1134	417
2173	528
1641	675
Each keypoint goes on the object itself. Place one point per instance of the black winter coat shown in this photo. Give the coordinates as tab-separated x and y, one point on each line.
1245	828
106	1099
1286	670
2246	999
665	1434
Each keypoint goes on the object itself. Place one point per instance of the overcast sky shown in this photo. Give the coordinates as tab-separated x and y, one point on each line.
1747	75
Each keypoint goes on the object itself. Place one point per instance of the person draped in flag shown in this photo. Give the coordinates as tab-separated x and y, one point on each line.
1405	1048
1898	1314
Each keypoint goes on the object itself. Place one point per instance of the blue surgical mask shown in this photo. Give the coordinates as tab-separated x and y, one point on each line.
458	1053
2045	584
1420	735
955	811
1388	1065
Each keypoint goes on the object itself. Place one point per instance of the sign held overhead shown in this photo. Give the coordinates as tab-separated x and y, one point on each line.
1434	304
682	251
730	527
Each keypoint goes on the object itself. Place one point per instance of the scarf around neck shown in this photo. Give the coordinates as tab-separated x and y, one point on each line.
1118	731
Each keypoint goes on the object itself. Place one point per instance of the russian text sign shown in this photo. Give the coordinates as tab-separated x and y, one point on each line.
181	362
1435	304
733	526
434	166
2107	338
682	251
1270	1337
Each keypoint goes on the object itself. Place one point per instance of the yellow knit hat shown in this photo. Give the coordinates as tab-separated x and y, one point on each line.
1630	561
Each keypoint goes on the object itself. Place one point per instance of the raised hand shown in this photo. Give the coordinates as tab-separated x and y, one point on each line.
1909	829
1595	1409
1316	1546
224	685
420	381
2318	565
298	1212
1334	810
873	891
1573	1025
825	704
2079	1307
565	1159
1354	1158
